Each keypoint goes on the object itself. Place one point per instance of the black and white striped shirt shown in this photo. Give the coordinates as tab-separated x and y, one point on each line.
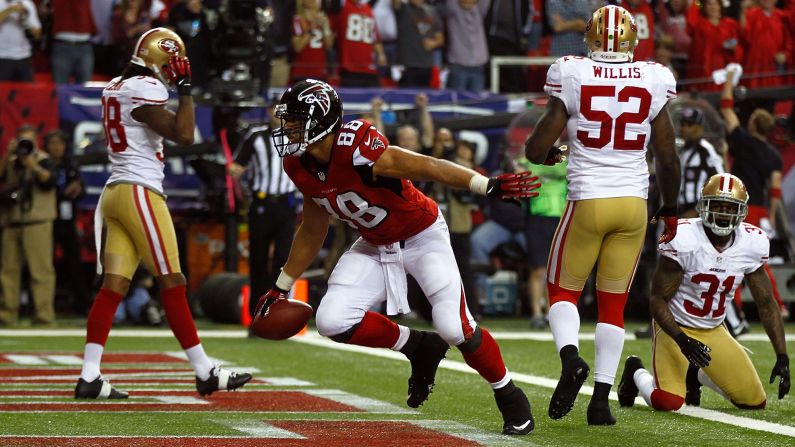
266	174
699	162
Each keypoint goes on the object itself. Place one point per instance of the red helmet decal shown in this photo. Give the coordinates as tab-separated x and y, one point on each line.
168	46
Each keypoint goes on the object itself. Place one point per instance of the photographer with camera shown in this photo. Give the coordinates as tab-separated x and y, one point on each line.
27	217
19	24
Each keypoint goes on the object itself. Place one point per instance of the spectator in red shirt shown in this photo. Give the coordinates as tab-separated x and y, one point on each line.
767	41
311	37
72	53
357	40
715	42
644	20
673	23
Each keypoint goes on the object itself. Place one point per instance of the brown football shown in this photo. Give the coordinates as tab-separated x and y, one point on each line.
281	319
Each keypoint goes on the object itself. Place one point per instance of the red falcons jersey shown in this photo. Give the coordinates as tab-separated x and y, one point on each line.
310	62
384	210
356	34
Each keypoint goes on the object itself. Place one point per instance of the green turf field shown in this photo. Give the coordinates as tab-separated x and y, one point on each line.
309	392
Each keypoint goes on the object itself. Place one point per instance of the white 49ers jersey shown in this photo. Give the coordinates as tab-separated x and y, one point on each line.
611	106
711	277
135	150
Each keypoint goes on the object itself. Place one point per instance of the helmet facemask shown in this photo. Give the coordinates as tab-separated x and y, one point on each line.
721	222
292	137
309	111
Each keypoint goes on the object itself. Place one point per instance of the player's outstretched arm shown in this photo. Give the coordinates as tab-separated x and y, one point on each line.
727	103
397	162
547	130
759	284
308	239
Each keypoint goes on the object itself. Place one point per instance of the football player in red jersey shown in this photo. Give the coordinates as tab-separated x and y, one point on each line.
352	173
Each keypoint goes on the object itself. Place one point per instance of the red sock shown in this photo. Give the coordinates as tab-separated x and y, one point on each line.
611	307
487	360
175	305
100	317
375	331
665	401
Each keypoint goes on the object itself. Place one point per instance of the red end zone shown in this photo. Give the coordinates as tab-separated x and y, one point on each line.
316	433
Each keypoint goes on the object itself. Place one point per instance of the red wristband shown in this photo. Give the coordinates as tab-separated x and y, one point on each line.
774	192
726	103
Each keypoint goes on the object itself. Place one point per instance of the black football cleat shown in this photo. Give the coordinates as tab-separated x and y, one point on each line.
693	387
599	413
221	379
515	408
424	362
98	388
572	376
627	390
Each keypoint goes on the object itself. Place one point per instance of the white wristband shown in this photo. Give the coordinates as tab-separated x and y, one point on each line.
285	281
479	184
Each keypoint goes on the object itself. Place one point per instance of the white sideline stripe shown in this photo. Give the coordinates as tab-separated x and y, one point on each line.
284	381
235	333
64	359
181	400
473	434
259	429
360	402
25	359
454	365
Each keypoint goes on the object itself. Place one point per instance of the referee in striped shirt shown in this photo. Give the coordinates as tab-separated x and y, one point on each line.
271	214
699	160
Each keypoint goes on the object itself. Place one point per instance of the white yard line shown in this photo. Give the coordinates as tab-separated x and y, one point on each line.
454	365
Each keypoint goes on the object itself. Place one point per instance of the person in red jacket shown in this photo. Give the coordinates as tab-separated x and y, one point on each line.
767	40
715	42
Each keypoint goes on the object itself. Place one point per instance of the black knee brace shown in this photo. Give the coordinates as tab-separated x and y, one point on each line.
473	343
345	336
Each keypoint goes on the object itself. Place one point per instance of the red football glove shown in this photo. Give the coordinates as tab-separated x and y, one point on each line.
669	217
513	186
178	72
555	156
269	298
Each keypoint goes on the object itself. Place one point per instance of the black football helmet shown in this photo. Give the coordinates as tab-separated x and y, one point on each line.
309	110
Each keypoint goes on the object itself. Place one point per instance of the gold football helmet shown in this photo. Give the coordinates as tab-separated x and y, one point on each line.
154	48
611	35
723	204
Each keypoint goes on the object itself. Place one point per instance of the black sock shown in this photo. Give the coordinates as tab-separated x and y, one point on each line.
568	352
506	390
601	391
415	337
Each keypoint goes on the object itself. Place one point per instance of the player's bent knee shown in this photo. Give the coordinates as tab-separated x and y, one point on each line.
759	406
665	401
332	321
473	343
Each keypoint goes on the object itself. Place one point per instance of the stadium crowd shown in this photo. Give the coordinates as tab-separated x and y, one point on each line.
419	43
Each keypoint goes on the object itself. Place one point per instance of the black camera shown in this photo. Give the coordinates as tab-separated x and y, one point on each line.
25	147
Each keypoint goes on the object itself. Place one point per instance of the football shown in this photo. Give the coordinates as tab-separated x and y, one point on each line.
280	319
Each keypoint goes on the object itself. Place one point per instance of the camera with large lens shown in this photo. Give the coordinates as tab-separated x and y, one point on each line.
25	147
